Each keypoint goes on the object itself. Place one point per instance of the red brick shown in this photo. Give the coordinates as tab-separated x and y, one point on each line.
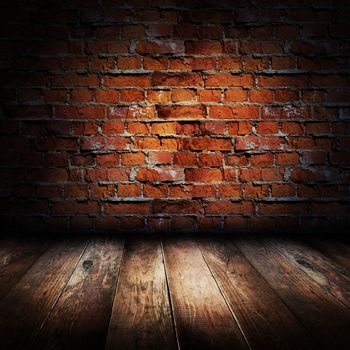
104	143
176	207
155	63
127	80
160	47
203	191
205	144
129	62
284	80
230	190
236	95
240	128
106	96
256	191
112	175
181	112
193	63
158	96
127	208
230	174
213	128
132	95
210	160
258	143
113	128
233	112
176	79
81	95
188	128
102	191
227	207
134	158
264	96
160	174
265	159
203	175
230	63
282	208
236	160
129	190
155	191
184	159
160	158
131	112
267	128
109	159
228	80
287	159
182	95
163	128
203	47
81	112
139	128
209	95
283	190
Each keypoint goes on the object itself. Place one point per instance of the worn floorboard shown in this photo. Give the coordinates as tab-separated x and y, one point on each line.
202	317
327	273
175	293
24	309
16	257
81	316
333	249
320	312
265	320
141	316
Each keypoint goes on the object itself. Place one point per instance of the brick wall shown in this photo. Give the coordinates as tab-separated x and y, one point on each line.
175	115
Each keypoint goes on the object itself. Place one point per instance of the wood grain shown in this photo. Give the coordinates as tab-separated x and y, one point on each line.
27	305
202	317
265	320
332	248
141	316
16	257
80	317
322	314
331	276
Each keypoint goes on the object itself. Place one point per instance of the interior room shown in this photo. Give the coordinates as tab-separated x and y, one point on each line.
174	174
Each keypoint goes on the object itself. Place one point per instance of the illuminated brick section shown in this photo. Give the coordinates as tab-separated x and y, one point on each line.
175	115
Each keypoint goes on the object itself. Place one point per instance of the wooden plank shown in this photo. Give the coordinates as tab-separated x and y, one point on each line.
16	257
27	305
81	316
325	317
202	317
265	320
332	248
331	276
141	316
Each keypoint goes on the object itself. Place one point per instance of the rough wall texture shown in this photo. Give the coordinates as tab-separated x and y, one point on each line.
175	115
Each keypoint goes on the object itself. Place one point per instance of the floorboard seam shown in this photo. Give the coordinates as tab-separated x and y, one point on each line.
281	299
25	272
223	295
169	294
60	294
115	291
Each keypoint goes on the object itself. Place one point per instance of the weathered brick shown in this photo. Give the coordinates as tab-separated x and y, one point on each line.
160	174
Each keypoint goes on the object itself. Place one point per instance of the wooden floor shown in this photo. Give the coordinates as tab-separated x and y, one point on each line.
175	292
